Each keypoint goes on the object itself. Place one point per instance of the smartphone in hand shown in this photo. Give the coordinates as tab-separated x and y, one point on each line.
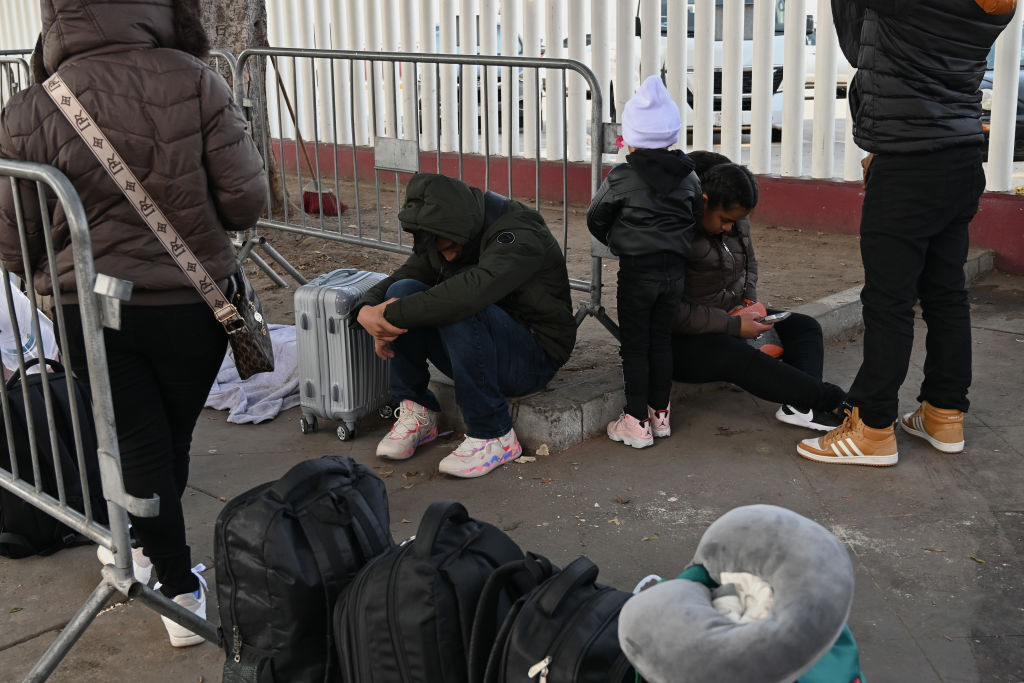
775	317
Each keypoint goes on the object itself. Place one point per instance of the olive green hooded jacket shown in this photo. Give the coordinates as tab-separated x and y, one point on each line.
514	263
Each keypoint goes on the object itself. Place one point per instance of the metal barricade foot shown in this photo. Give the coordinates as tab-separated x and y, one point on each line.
71	633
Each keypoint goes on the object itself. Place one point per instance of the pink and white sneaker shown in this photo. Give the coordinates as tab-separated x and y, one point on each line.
476	457
659	421
415	426
631	431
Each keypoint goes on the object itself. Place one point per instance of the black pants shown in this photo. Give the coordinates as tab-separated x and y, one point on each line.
914	244
650	289
795	379
162	363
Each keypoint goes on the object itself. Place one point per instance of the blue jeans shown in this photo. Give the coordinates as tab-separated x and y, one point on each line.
488	355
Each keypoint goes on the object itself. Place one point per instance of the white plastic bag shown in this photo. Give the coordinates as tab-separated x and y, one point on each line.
9	343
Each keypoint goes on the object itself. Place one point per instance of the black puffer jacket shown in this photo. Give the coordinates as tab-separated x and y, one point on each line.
721	272
919	70
647	205
514	263
133	65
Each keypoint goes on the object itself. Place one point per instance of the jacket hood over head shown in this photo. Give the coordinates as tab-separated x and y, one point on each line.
73	28
443	207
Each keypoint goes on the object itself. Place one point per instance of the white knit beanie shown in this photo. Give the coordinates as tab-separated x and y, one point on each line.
650	119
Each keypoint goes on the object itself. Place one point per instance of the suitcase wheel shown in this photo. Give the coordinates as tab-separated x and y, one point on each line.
386	412
307	426
346	433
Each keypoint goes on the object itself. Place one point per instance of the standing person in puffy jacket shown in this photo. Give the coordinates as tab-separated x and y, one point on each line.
644	212
137	68
710	345
916	107
485	298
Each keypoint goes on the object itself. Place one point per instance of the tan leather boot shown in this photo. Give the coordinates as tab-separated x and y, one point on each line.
943	428
853	443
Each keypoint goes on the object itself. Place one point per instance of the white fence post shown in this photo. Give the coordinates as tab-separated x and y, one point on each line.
824	123
703	74
761	86
577	112
625	69
732	79
793	89
675	61
555	90
1004	106
449	76
510	77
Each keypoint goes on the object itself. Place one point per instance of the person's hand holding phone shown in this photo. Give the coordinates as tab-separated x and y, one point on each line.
751	325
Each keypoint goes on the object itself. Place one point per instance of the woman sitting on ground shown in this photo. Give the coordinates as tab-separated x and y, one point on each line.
710	345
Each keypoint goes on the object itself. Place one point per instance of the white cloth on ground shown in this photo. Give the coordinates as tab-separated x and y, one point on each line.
264	395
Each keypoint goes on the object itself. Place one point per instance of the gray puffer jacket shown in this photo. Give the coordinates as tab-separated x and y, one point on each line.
721	272
919	69
169	116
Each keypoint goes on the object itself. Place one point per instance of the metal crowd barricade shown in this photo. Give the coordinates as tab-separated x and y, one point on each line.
303	107
30	186
15	75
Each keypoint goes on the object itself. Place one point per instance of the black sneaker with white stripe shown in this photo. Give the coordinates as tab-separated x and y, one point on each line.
823	421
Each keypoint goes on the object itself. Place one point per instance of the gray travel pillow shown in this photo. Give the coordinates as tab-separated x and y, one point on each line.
672	633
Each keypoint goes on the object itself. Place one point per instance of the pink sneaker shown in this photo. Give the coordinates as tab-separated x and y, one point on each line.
631	431
414	427
659	421
476	457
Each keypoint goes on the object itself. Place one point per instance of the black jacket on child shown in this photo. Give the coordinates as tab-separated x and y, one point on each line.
648	205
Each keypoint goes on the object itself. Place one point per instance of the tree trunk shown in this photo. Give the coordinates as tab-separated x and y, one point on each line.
235	25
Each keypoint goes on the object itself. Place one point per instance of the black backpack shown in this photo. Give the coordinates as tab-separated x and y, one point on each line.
284	551
563	631
407	617
25	529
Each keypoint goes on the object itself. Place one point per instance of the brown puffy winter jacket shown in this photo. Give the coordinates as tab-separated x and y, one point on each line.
169	116
721	271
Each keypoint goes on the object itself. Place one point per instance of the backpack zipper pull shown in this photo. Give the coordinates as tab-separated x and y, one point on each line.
541	668
236	644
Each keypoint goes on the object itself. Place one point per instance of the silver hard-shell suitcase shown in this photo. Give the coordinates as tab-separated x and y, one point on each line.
340	376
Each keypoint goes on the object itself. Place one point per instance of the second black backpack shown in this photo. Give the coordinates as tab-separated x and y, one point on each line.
563	631
284	550
407	617
25	529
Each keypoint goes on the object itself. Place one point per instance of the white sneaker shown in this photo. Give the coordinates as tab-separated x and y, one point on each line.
179	635
476	457
141	564
415	426
659	420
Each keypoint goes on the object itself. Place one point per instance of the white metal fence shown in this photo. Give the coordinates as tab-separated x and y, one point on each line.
726	66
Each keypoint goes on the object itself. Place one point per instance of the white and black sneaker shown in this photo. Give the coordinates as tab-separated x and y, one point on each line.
820	420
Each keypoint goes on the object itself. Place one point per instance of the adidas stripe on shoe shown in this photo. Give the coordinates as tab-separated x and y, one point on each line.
943	428
852	443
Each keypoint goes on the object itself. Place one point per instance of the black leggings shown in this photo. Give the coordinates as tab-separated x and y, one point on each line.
795	379
162	363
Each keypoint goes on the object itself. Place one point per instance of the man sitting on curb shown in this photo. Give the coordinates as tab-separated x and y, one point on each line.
485	298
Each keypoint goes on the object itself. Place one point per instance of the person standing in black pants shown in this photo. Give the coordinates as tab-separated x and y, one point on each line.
710	344
916	107
645	213
172	119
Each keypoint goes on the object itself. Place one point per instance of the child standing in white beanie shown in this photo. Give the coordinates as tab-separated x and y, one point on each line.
645	212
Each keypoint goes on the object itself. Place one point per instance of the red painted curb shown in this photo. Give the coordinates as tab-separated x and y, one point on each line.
830	206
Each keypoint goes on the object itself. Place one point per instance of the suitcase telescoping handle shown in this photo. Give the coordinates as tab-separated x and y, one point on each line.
301	474
580	572
434	518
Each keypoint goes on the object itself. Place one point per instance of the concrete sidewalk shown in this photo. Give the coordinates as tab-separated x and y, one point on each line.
937	542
